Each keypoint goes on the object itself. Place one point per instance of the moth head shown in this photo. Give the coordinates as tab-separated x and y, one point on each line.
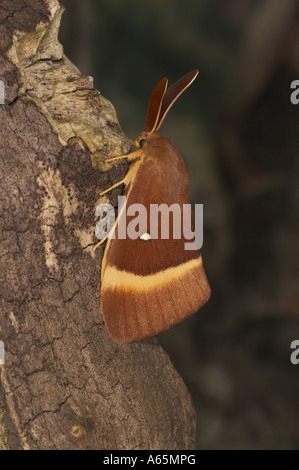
142	139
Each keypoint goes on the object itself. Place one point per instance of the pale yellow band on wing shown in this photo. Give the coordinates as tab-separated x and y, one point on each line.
114	278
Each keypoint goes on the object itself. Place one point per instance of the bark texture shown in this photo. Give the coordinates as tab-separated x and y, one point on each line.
65	384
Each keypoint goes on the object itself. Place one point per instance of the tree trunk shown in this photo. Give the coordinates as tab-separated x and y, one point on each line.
65	384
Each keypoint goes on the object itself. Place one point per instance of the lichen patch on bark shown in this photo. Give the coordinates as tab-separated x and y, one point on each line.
56	86
54	198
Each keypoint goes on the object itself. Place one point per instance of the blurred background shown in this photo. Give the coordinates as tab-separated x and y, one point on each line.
238	133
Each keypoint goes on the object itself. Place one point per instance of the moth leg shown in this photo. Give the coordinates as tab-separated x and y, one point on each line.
130	156
100	242
113	186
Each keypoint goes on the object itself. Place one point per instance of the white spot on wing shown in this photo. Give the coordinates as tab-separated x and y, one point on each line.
145	237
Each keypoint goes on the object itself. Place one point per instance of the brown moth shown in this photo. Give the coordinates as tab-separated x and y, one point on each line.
150	284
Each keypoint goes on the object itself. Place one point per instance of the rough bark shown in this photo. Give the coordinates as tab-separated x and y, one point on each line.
65	384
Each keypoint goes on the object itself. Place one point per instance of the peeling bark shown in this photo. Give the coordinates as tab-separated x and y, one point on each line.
65	384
